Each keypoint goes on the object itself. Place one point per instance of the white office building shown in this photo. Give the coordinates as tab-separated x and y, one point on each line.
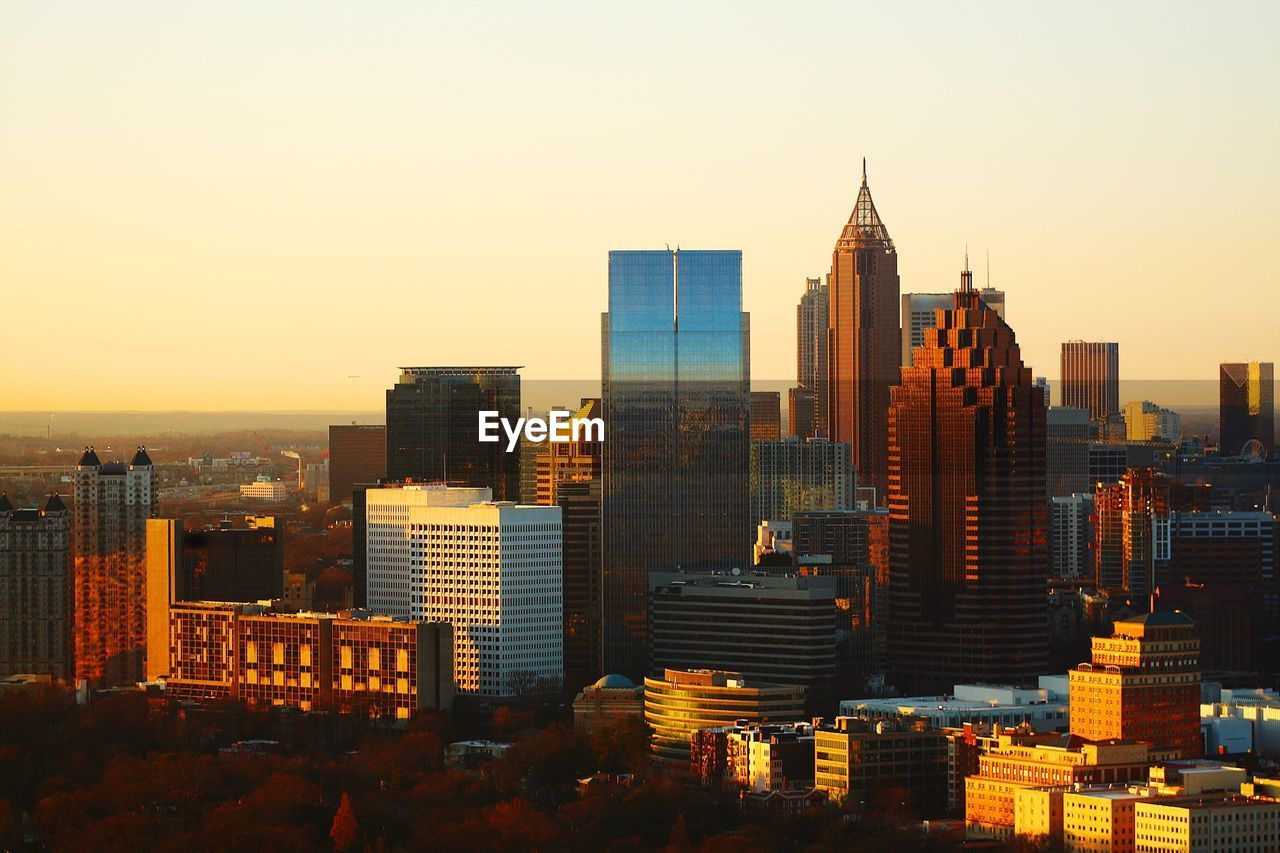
493	570
1045	708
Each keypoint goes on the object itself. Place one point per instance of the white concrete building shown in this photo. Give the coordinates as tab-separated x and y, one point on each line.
493	570
1045	708
263	489
1258	710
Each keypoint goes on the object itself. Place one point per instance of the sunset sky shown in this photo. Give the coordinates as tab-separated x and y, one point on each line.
239	206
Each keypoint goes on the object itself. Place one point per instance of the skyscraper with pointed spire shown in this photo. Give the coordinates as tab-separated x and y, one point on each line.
968	529
112	504
863	343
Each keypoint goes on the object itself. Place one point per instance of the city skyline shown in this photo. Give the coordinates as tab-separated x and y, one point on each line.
239	186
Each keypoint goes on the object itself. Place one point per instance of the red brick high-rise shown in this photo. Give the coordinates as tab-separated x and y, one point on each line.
968	557
863	345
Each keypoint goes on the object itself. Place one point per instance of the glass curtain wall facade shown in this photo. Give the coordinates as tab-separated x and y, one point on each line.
432	427
676	376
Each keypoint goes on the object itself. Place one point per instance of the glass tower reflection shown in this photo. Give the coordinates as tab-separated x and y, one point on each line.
676	376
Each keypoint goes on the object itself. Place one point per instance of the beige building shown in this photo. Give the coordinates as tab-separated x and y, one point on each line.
610	697
1099	821
1030	761
1202	824
854	758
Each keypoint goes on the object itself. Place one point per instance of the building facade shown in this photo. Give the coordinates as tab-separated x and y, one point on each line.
433	427
357	454
785	628
1145	421
681	702
766	416
112	504
967	511
864	344
36	613
676	374
790	476
1143	683
1091	377
807	403
353	662
1246	406
855	760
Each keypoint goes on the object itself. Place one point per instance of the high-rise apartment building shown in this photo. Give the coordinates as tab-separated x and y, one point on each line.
676	374
793	475
785	628
357	454
1132	533
1246	406
968	521
766	415
433	427
1145	421
222	563
1071	536
492	570
864	346
1091	377
1143	683
808	410
35	590
111	506
350	662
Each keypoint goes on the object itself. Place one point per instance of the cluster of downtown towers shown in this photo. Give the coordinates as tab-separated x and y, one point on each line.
954	445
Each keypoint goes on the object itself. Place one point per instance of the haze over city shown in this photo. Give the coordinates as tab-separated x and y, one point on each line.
217	211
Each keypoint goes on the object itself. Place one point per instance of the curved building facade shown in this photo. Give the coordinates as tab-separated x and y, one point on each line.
683	701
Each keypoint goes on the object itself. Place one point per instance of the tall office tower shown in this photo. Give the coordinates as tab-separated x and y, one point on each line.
967	510
793	475
812	320
1071	534
214	564
853	547
558	461
1246	406
580	506
357	454
390	569
433	427
35	589
784	628
1067	432
1145	421
863	346
801	413
112	504
1223	573
766	415
1143	683
1091	377
919	312
493	570
676	373
1131	530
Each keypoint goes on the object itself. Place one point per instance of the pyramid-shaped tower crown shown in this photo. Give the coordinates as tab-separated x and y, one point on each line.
864	228
89	459
141	458
6	505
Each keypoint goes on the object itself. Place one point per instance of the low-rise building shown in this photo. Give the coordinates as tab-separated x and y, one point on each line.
1045	708
350	662
263	489
856	759
610	697
683	701
754	756
1195	824
1242	721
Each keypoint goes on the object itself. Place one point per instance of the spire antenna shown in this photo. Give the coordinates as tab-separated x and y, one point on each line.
864	171
988	268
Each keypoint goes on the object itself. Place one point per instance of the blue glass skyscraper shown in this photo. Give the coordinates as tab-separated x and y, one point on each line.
676	376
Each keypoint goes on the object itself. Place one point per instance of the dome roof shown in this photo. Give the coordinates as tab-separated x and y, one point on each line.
615	681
